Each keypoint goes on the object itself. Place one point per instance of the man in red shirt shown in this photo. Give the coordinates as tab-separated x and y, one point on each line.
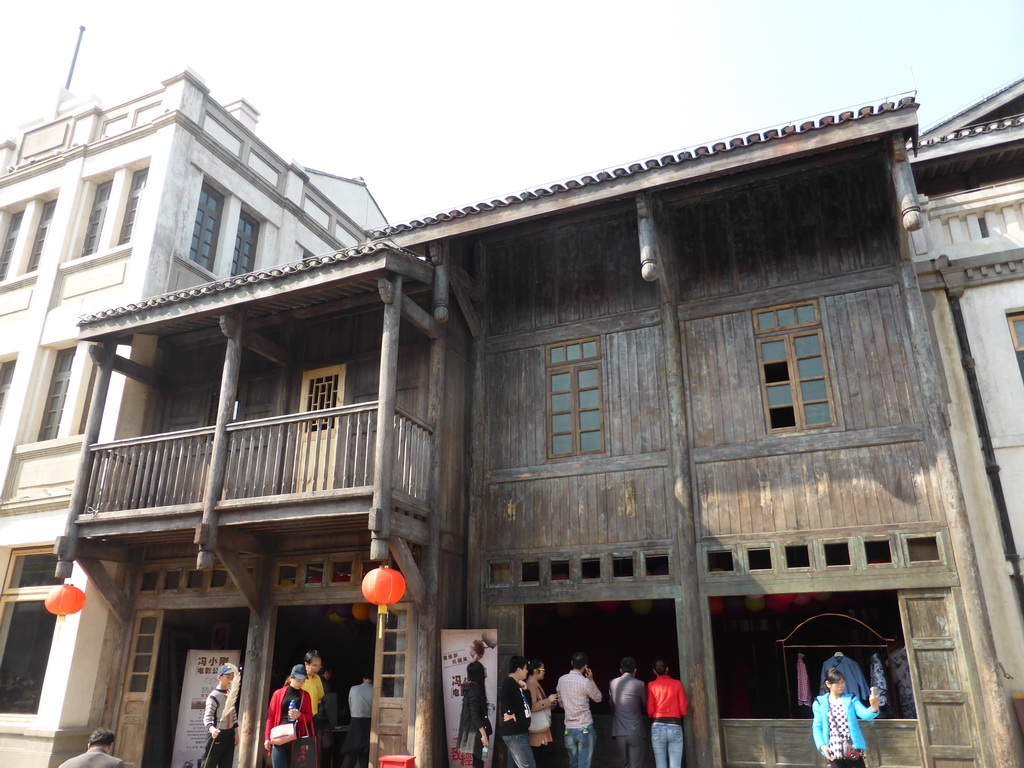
666	705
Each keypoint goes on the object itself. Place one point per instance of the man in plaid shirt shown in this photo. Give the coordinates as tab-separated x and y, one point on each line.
576	689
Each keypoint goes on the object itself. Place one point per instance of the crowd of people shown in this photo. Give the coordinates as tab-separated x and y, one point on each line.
524	713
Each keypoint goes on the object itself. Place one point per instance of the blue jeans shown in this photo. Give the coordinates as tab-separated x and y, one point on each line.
667	744
579	743
519	748
281	755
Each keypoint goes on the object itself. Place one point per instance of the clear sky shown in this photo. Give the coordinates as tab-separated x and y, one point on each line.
441	104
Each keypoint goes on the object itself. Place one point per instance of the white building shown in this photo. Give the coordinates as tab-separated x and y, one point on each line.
100	207
970	261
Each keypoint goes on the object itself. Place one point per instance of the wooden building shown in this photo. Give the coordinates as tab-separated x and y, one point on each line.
684	408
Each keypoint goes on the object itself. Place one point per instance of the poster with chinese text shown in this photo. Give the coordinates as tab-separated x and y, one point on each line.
199	679
458	648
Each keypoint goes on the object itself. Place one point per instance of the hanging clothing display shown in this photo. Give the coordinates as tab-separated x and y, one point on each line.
901	676
803	682
878	679
856	683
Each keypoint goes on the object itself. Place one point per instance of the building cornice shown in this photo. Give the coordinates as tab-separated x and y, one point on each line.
960	274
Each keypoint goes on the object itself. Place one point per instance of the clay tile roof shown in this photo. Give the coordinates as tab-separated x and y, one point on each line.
642	166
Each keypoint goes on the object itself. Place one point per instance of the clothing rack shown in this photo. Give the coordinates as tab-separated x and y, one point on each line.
788	643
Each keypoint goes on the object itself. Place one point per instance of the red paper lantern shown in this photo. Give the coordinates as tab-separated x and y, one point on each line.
64	599
383	587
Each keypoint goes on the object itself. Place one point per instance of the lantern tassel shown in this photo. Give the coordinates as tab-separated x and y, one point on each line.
382	619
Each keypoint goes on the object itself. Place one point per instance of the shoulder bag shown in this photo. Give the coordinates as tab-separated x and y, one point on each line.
282	734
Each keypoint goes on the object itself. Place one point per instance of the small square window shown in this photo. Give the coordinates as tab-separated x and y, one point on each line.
172	580
798	556
286	575
314	574
559	570
590	568
500	574
218	579
530	572
195	579
622	567
759	559
657	565
923	549
877	552
149	581
720	561
837	553
341	571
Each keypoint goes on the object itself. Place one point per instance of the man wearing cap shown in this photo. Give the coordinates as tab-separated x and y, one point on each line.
101	741
220	721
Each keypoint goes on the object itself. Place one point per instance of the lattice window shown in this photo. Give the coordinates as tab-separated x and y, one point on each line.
575	401
207	227
1017	334
97	215
57	394
45	220
10	240
131	209
245	245
794	375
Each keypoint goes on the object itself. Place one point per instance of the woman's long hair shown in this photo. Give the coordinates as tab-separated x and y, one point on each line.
476	673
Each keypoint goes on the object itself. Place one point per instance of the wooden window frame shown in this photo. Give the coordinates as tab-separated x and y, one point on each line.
788	327
573	368
57	394
131	208
1017	338
206	231
97	215
10	241
42	228
246	240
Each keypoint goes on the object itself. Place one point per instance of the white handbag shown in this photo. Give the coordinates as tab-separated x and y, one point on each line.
282	734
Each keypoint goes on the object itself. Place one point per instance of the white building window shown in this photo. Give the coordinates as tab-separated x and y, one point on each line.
97	214
131	208
207	227
57	394
26	630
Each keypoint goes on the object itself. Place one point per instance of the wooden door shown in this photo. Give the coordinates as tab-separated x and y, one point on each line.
138	687
322	389
946	709
393	690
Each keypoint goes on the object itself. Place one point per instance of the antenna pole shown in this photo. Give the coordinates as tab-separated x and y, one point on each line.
71	72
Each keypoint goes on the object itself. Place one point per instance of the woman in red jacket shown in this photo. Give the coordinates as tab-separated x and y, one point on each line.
289	704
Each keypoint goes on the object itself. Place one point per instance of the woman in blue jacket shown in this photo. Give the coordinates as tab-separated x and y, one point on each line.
835	722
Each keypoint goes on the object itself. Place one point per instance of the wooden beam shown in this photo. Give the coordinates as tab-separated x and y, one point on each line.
384	449
133	370
66	542
463	282
112	594
418	316
103	550
411	571
467	293
264	347
232	326
239	574
242	541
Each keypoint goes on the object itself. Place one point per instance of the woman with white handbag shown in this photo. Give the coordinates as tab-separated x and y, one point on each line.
289	716
540	705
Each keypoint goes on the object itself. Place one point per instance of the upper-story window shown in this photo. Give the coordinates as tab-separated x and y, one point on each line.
56	395
794	378
26	629
575	423
9	242
45	220
207	226
131	208
97	214
6	377
1017	334
245	245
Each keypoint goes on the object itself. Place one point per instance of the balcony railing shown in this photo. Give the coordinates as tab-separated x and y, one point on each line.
296	454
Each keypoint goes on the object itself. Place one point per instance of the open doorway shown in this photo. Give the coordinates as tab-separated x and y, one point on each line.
607	631
222	629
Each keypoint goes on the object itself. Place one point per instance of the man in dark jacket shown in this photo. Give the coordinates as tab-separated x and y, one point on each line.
628	699
515	713
101	741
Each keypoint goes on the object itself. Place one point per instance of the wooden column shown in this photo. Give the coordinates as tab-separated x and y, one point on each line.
428	646
66	543
256	682
384	450
232	326
479	429
691	611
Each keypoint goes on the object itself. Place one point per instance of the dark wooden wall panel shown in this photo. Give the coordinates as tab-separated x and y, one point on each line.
867	486
869	344
723	380
785	231
569	274
578	511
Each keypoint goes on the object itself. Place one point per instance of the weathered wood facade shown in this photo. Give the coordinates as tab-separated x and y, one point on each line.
695	379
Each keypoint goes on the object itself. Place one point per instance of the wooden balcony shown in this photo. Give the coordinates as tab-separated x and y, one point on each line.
307	455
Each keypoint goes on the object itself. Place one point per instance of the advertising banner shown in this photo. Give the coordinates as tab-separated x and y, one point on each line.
458	648
199	679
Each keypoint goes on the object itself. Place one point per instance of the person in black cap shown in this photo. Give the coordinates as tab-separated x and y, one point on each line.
221	721
101	741
282	710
